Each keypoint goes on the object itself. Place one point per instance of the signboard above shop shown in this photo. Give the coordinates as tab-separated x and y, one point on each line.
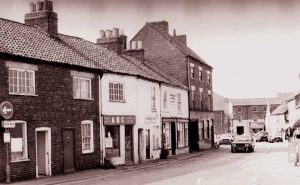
8	124
119	120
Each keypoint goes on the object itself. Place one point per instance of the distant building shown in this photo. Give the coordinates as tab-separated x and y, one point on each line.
294	110
277	120
222	112
249	114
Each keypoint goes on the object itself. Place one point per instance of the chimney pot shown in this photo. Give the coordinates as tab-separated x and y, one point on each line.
128	46
39	6
102	33
108	33
133	45
115	32
139	44
32	7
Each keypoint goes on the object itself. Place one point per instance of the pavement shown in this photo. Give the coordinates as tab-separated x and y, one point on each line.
94	173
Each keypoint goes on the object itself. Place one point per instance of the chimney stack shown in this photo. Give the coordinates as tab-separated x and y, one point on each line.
181	39
136	50
161	25
42	15
113	39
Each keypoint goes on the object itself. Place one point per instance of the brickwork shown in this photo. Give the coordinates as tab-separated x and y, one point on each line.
248	111
54	107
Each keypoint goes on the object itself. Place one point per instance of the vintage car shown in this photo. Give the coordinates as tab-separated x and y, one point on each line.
278	136
243	143
262	136
226	139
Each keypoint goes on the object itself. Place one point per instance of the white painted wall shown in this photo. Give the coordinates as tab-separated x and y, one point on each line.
172	106
294	113
276	124
244	123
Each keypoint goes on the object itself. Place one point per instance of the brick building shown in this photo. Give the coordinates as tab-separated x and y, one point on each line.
171	54
252	113
53	82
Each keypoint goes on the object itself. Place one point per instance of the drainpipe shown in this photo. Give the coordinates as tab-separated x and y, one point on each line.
101	121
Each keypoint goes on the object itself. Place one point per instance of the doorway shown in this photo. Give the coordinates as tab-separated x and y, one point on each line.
173	137
68	149
147	144
128	143
140	143
43	151
193	136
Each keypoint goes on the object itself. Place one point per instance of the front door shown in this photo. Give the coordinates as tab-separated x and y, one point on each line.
148	144
140	143
42	153
173	136
128	143
240	130
68	149
193	136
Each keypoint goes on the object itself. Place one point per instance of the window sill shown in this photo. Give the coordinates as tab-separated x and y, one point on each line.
88	99
15	94
87	152
20	160
112	101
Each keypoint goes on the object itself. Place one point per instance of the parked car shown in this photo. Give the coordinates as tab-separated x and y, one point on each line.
262	136
278	136
226	139
243	143
217	140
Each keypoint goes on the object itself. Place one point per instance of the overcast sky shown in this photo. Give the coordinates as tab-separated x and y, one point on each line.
253	45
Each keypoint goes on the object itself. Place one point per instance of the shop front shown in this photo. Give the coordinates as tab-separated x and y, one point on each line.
119	138
175	135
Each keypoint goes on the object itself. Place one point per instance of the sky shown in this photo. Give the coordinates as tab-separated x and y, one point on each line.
252	45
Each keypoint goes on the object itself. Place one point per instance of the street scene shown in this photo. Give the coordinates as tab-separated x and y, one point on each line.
152	92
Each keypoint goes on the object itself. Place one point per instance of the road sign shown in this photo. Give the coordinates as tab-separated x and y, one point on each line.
6	109
8	124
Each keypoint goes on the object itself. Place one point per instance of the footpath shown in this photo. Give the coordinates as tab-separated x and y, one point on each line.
88	174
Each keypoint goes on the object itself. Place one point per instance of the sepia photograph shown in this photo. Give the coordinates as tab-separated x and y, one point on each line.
150	92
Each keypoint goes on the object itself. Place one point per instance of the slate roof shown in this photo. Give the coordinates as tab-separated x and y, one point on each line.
183	48
255	101
280	110
32	42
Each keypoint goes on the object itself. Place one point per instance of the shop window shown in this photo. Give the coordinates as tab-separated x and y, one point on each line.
19	141
87	137
116	92
179	102
165	99
156	136
82	88
21	82
112	140
182	134
167	135
153	99
186	134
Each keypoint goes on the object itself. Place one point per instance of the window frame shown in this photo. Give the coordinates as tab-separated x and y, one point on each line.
81	90
153	99
18	86
192	70
208	76
239	110
165	99
91	150
179	102
200	73
116	93
254	109
24	143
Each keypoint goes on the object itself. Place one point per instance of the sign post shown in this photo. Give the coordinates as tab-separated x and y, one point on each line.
6	111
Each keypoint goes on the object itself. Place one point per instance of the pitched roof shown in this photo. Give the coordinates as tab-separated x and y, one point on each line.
280	110
32	42
183	48
293	95
255	101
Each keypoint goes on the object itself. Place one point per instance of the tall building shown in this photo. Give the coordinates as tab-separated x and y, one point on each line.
171	54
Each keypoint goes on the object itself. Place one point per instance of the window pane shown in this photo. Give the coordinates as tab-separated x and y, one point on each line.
112	136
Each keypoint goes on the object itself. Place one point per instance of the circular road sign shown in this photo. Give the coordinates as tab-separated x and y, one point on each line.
6	109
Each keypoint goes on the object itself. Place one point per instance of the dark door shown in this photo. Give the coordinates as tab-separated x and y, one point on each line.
193	136
128	143
41	152
68	141
147	144
173	136
240	130
140	143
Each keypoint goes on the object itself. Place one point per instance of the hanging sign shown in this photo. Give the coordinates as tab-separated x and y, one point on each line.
6	109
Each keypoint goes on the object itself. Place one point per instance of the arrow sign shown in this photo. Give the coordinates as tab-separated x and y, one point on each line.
6	109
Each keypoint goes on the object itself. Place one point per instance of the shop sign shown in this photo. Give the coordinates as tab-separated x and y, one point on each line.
6	137
119	120
151	119
8	124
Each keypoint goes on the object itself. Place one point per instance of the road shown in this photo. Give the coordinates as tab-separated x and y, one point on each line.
268	165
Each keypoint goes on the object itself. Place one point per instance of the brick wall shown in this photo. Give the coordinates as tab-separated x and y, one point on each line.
53	107
248	113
